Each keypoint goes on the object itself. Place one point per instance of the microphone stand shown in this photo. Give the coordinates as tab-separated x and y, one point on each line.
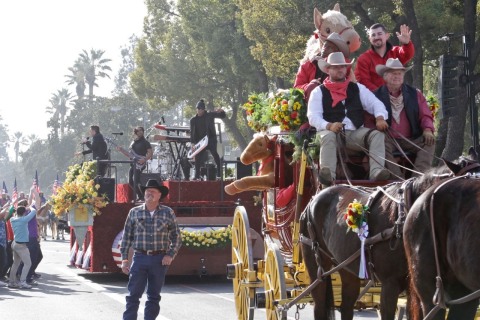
83	149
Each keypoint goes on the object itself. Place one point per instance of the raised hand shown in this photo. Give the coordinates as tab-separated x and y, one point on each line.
404	34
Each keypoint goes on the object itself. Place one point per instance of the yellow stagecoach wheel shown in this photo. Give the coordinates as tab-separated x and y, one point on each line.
242	260
275	288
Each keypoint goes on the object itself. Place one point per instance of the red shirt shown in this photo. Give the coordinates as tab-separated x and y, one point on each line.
365	69
305	76
9	231
424	115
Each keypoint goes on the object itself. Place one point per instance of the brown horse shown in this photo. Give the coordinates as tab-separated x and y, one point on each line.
43	220
453	207
322	222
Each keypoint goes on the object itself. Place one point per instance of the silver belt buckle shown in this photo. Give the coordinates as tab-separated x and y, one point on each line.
149	252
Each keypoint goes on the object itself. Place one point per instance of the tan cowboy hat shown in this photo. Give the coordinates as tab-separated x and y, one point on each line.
338	41
333	59
153	183
392	64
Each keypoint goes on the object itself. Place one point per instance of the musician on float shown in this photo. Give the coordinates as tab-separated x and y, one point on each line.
97	147
143	152
203	124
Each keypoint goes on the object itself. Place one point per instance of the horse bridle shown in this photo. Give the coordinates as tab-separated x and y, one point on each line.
324	37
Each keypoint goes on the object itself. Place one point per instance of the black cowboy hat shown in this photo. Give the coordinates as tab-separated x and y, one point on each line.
153	183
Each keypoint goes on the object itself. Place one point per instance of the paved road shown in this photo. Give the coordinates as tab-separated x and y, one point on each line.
64	292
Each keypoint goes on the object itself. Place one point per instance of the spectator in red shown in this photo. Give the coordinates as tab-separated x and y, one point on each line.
381	50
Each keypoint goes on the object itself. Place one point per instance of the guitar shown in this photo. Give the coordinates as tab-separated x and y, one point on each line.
132	155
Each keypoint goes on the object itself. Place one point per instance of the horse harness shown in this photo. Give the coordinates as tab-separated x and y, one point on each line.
439	299
393	233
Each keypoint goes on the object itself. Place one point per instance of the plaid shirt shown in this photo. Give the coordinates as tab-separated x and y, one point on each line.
144	232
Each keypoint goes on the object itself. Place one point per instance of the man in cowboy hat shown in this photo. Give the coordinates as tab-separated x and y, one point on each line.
309	75
381	50
409	118
152	231
337	106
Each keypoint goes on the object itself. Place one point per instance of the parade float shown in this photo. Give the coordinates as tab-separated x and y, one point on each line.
97	209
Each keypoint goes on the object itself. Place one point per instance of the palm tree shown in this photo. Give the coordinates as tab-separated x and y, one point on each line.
77	77
59	108
19	139
94	67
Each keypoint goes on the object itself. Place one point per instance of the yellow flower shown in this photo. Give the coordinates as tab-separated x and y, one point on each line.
78	188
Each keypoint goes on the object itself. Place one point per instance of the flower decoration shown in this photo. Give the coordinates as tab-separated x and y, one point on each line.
210	239
433	105
355	217
289	109
79	188
257	112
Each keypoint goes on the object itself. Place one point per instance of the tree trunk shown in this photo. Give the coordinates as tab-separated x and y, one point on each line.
262	80
417	41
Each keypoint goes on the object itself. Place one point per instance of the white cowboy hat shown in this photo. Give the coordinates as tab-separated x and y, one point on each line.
391	64
338	41
333	59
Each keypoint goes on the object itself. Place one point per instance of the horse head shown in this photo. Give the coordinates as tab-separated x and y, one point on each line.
459	167
44	209
260	148
331	21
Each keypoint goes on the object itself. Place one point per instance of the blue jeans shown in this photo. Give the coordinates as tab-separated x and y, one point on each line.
145	271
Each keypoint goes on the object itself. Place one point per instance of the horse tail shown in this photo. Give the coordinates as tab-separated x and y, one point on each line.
414	308
329	299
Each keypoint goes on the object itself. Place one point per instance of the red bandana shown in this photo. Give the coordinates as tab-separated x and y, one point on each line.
338	90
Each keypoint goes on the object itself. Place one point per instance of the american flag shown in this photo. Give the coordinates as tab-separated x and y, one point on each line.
56	185
4	188
35	182
15	192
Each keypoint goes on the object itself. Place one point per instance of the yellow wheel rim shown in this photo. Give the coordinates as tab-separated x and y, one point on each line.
243	260
275	288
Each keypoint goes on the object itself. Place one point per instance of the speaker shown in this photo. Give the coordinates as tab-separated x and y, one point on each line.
243	170
107	187
144	177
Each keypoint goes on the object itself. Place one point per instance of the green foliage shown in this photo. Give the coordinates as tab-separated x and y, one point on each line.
3	141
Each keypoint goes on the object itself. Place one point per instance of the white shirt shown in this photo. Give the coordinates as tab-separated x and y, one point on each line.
370	103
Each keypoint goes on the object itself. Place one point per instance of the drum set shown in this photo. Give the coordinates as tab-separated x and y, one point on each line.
162	161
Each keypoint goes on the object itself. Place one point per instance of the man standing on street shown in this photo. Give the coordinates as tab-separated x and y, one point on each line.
152	231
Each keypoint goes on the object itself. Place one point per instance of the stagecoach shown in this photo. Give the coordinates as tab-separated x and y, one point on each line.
276	278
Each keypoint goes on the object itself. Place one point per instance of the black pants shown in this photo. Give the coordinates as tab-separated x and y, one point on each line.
134	175
201	158
3	261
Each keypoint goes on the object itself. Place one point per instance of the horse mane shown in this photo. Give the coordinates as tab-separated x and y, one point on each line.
448	169
336	17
